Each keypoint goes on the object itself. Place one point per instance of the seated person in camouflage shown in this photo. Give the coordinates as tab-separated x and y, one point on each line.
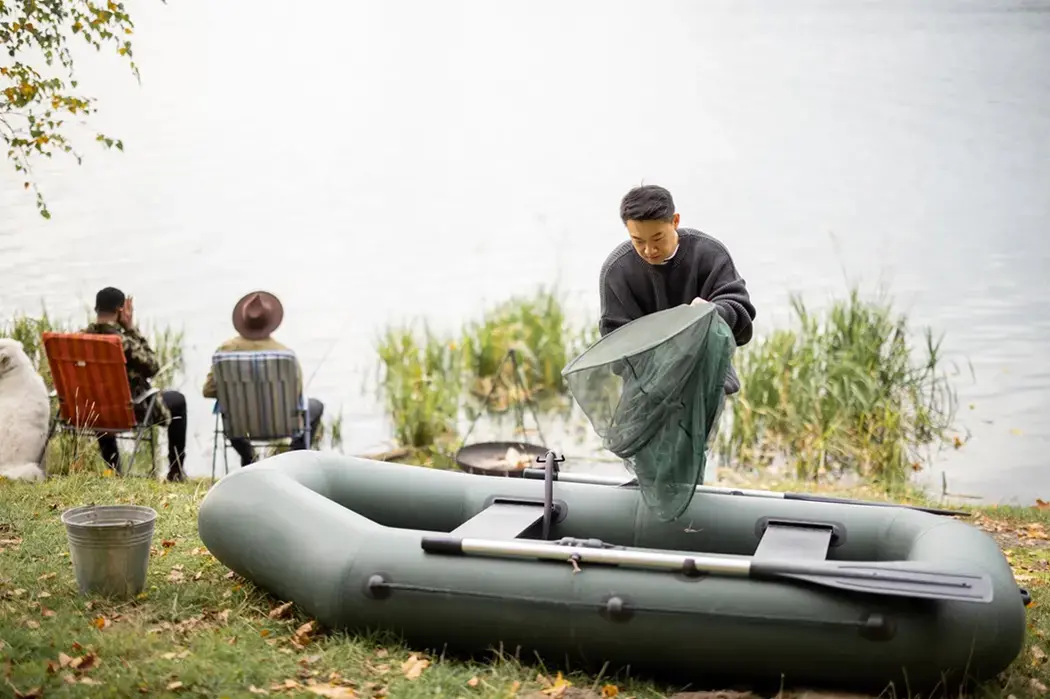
255	317
115	315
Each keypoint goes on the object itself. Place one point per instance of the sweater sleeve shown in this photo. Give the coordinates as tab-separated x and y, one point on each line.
618	306
730	296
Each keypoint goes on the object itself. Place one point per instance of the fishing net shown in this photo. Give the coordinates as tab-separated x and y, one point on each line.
653	390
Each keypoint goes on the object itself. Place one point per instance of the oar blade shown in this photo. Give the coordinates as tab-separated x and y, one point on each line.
897	581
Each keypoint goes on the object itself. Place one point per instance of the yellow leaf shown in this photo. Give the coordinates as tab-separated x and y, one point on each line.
414	666
610	690
558	687
280	610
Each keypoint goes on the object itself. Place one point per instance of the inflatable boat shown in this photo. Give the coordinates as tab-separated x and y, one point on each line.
735	589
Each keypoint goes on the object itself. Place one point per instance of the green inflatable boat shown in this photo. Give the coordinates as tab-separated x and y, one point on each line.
734	589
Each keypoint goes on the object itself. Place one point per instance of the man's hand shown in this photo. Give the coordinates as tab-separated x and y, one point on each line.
127	313
697	301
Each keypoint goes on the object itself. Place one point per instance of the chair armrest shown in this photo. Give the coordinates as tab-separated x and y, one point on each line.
146	394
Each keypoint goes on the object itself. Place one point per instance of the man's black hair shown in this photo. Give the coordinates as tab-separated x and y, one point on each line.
647	203
109	300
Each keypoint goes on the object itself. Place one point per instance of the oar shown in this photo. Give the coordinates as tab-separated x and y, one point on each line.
898	578
594	479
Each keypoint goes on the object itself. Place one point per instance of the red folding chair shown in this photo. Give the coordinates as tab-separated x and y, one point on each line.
91	385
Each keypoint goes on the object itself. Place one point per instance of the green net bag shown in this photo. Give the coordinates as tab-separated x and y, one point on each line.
653	390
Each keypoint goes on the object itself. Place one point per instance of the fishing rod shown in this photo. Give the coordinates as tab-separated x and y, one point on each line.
620	482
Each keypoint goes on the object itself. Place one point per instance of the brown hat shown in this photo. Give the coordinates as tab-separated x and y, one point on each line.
257	315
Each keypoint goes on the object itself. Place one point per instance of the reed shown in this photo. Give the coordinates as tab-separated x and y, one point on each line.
420	382
845	391
537	328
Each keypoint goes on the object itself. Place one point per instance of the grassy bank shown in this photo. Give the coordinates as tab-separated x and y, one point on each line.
199	631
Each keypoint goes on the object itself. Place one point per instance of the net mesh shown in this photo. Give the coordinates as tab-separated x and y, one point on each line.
653	390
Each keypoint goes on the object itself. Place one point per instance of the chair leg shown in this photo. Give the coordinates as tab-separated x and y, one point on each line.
139	433
225	455
153	452
214	446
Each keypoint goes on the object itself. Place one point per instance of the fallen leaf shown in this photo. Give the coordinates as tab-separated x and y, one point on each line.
473	682
46	576
610	690
100	622
414	666
34	693
224	616
85	662
1038	656
172	686
167	543
303	633
557	687
1037	686
33	624
382	653
229	576
281	610
176	574
88	680
47	613
255	690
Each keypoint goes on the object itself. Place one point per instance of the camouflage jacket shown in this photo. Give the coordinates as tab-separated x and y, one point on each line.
141	365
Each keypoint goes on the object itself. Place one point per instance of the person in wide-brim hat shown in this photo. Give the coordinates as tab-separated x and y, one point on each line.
255	317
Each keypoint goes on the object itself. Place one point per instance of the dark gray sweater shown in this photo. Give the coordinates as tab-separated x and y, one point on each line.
630	287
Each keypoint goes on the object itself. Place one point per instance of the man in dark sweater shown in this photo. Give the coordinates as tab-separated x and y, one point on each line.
662	266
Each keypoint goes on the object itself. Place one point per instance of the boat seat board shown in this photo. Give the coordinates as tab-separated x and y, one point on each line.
794	542
501	521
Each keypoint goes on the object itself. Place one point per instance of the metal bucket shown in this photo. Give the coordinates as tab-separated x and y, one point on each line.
109	546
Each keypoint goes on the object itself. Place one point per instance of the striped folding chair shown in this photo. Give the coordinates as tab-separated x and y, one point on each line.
258	400
92	391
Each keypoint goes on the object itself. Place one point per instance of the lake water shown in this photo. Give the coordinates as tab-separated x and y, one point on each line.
375	161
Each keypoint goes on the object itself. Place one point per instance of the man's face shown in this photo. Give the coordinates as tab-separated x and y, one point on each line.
654	241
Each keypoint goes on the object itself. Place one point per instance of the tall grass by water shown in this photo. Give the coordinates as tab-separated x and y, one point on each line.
428	381
846	391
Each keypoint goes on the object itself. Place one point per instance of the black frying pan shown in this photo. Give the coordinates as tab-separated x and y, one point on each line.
489	458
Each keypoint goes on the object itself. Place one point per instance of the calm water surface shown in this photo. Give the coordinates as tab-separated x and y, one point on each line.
384	160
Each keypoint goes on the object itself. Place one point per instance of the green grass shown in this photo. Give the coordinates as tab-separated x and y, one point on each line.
420	382
428	381
537	329
199	631
195	624
844	392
